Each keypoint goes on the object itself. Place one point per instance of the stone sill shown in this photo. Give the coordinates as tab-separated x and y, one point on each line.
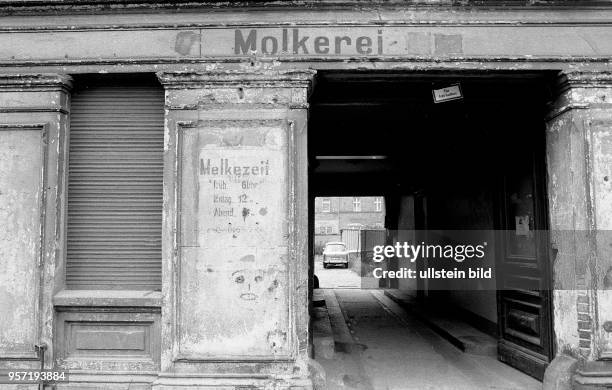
116	298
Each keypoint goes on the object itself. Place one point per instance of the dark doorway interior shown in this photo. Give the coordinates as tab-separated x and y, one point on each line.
476	163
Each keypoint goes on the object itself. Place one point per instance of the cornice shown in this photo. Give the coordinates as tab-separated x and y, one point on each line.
39	7
36	82
253	23
291	78
584	79
580	90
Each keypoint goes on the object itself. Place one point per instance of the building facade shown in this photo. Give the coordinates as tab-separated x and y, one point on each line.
155	157
333	214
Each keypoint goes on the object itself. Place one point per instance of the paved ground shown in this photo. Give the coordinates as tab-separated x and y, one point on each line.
383	348
335	277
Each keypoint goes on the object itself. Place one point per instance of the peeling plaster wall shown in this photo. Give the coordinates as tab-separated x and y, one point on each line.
601	142
579	160
20	207
33	110
234	252
570	224
235	278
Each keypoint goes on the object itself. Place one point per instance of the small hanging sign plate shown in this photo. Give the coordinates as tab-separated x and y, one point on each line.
452	92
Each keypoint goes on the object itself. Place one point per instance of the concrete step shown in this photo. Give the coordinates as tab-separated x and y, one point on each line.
323	336
342	334
318	294
461	334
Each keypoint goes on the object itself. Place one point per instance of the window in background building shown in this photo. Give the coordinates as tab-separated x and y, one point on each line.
326	203
115	184
356	204
322	230
378	204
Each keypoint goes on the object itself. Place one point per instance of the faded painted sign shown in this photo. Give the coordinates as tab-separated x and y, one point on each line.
307	42
239	195
234	240
380	41
20	191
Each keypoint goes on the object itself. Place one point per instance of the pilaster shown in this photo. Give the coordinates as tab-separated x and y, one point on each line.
33	128
235	230
579	153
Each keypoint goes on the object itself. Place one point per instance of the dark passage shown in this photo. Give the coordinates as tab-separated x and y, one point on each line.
472	164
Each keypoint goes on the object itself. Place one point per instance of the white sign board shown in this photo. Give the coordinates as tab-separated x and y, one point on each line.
446	94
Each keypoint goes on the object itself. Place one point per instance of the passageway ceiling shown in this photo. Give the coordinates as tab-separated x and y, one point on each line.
392	117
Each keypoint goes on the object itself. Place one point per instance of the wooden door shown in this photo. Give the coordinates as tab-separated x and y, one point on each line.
523	271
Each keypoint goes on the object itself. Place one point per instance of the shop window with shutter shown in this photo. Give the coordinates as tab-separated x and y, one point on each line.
114	214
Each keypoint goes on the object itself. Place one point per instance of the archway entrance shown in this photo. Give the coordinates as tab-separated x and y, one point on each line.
471	162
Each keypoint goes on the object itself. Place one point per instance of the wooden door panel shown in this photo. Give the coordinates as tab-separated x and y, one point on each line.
523	297
523	322
523	359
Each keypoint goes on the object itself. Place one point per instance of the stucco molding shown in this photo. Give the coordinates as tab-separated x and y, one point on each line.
259	88
581	90
107	298
292	78
19	7
35	81
585	79
493	62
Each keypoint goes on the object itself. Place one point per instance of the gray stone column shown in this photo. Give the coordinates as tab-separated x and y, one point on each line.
579	160
33	127
235	230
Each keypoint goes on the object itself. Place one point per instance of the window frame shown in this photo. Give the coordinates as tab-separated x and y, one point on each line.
357	204
326	205
378	203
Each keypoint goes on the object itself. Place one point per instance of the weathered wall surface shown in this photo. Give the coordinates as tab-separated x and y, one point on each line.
348	37
234	221
578	144
235	230
33	117
381	38
304	41
20	179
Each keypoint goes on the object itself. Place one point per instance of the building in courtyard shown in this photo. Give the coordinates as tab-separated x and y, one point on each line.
334	214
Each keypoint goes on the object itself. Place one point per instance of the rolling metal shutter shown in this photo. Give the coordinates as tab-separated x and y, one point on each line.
115	187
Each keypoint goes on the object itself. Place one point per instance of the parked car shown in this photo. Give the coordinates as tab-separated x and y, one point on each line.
335	253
